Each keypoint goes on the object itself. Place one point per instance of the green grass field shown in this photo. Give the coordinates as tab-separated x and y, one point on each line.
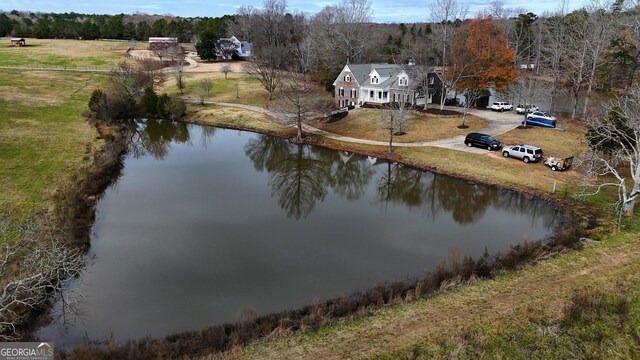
42	134
72	54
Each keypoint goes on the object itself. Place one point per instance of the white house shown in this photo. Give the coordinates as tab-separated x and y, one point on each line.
231	46
379	84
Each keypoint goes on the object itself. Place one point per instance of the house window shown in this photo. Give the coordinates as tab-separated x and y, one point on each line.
374	80
404	81
341	92
431	80
371	94
353	93
385	95
347	78
341	103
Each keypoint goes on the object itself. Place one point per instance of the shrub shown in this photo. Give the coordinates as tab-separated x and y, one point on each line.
150	101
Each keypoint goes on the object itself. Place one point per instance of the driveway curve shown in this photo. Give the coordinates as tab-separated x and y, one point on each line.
499	123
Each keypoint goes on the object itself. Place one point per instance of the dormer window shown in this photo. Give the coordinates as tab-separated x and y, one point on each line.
375	79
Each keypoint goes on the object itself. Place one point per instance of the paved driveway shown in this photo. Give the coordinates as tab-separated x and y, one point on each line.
499	123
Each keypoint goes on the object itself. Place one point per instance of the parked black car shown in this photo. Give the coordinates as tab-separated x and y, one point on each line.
482	140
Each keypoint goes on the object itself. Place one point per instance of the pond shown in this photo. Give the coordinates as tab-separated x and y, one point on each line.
205	224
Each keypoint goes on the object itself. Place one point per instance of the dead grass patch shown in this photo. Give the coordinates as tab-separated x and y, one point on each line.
554	142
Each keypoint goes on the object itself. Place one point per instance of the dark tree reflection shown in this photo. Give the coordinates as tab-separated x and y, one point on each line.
301	175
402	185
466	202
350	173
154	137
297	178
299	181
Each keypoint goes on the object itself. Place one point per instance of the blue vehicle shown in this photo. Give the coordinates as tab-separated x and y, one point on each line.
539	118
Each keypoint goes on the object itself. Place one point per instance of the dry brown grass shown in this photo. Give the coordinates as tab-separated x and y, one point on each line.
367	124
236	118
554	142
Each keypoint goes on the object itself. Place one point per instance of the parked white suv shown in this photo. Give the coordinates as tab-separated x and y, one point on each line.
524	152
501	106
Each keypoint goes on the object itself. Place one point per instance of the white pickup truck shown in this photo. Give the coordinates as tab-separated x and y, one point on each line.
501	106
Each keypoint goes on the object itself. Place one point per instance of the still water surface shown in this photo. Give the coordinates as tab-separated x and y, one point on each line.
206	222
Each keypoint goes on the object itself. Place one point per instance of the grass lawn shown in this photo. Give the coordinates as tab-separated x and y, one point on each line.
250	91
235	118
80	54
367	124
554	142
42	134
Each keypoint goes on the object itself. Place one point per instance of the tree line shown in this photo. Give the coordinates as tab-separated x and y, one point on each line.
137	26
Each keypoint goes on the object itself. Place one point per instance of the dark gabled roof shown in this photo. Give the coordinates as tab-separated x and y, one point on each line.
390	71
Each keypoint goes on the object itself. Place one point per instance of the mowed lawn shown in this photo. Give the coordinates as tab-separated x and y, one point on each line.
42	134
249	91
74	54
368	124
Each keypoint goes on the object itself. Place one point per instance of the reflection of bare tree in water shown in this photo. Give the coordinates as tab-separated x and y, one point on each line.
433	193
206	135
265	151
154	137
299	181
403	185
297	177
348	179
467	202
528	205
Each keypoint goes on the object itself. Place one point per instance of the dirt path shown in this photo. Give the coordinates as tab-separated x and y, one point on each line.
543	289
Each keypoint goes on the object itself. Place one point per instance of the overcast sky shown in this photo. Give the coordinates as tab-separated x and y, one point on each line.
406	11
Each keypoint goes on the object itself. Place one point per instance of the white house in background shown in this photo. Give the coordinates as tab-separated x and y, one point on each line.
379	84
231	45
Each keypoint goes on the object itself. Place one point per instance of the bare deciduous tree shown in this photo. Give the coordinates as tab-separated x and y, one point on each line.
132	80
204	89
266	68
226	69
45	267
179	72
615	149
444	13
300	100
341	33
394	117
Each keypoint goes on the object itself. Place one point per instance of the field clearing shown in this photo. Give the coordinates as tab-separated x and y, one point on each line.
249	91
554	142
367	124
235	118
42	134
61	53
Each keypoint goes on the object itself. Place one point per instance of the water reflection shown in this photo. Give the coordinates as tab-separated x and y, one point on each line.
154	136
300	175
219	239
